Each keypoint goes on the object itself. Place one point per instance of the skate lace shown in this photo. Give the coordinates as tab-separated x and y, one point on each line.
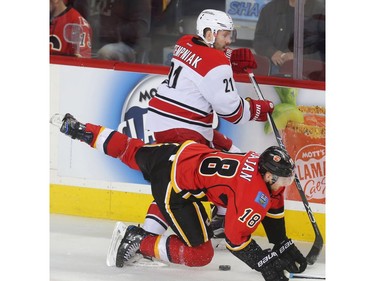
130	250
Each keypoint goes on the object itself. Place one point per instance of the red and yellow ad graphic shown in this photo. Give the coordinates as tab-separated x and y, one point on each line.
303	132
305	143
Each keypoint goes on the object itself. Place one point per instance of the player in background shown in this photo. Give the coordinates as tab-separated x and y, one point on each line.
69	33
200	82
183	176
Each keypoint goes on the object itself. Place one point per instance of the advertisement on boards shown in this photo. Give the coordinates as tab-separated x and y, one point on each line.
119	100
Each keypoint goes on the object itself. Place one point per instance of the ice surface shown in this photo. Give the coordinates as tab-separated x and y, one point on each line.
78	249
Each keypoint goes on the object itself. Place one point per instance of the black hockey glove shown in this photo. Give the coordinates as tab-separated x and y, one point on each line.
294	261
272	268
217	223
265	261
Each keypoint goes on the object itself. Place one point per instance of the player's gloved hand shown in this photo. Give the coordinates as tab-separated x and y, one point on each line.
217	222
76	130
221	142
228	52
259	109
293	259
242	60
266	262
273	268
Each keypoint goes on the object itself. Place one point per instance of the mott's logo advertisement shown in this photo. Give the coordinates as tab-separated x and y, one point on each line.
135	108
310	163
88	182
302	129
119	100
303	133
305	142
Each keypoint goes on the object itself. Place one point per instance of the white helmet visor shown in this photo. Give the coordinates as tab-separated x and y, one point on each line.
284	181
227	35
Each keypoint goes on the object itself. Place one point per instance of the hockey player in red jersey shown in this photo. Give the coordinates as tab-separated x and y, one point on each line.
69	33
183	176
200	83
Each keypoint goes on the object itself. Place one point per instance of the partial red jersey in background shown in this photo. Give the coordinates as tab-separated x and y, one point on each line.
70	34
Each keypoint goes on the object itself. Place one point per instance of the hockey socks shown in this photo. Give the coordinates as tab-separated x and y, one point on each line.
172	249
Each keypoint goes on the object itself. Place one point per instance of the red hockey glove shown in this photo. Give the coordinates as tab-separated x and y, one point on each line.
228	52
259	109
242	60
221	142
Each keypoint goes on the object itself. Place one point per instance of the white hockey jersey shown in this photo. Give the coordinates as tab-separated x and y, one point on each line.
200	81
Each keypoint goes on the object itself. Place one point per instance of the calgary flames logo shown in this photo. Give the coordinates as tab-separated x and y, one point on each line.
276	158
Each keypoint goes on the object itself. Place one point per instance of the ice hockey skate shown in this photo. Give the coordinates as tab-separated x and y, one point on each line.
125	244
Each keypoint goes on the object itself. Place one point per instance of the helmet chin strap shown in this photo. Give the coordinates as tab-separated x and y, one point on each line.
210	43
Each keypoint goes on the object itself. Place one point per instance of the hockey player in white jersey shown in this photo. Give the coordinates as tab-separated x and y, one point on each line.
200	82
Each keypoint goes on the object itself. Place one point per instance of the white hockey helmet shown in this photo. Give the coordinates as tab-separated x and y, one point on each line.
214	20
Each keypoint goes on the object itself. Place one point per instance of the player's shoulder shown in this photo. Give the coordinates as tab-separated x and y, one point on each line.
75	17
198	55
72	13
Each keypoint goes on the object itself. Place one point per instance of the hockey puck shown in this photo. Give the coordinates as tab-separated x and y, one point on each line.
224	267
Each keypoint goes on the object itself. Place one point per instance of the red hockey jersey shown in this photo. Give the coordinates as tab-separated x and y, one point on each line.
200	82
231	180
227	179
70	34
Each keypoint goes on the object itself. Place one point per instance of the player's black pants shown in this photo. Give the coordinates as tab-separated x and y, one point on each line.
187	217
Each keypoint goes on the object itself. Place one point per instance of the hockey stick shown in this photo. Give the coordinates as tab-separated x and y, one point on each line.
318	242
301	276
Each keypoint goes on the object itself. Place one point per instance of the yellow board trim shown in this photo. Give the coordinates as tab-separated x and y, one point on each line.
132	207
99	203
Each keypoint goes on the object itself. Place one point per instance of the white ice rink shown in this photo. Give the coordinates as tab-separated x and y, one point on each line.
78	248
